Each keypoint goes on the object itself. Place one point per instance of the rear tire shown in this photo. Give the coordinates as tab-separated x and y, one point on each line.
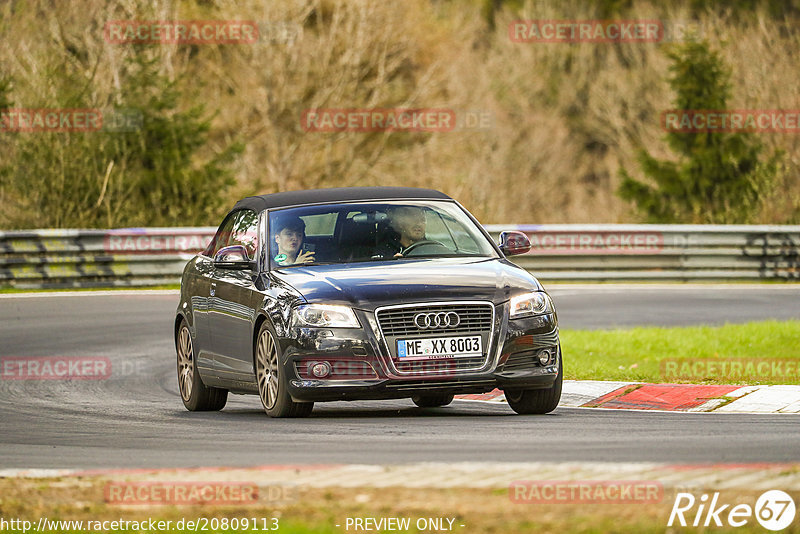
196	396
537	401
432	401
272	378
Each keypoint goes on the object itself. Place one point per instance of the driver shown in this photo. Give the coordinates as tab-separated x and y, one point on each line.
406	227
289	235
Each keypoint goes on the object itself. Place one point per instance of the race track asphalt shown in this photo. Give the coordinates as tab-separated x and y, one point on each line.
135	418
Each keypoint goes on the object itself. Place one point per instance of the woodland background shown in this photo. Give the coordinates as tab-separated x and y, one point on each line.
223	121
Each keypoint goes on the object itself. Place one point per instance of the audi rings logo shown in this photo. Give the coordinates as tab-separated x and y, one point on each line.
437	320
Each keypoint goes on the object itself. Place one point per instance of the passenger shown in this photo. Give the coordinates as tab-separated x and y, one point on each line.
289	234
406	227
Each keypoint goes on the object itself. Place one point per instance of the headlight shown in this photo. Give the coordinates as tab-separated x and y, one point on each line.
537	303
323	315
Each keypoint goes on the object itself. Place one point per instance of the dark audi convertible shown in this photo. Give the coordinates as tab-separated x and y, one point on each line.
362	293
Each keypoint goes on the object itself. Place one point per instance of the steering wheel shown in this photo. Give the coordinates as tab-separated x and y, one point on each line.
412	246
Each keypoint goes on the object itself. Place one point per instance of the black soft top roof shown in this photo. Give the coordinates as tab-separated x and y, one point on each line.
339	194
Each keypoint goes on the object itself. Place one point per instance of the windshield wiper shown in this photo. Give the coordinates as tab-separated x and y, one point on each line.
308	264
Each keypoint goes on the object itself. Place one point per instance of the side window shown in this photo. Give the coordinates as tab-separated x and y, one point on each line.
244	231
239	228
221	237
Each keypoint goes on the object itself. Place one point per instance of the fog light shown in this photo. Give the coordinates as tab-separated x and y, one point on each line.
319	369
544	357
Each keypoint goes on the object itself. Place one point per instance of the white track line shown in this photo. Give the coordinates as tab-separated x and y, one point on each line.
89	293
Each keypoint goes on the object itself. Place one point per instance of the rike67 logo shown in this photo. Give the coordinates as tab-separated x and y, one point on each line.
774	510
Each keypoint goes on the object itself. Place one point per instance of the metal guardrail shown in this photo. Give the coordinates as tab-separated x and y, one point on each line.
98	258
612	252
608	252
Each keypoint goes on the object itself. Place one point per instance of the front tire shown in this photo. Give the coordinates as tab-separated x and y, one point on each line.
433	401
537	401
196	396
272	379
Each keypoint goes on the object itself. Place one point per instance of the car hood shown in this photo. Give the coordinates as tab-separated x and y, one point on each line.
373	284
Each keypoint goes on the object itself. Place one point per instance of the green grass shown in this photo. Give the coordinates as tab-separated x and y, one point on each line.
319	510
297	526
642	354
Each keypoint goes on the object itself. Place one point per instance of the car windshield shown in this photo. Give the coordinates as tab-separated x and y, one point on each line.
373	231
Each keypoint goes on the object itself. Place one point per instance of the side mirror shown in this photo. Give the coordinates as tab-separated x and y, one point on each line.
233	257
514	242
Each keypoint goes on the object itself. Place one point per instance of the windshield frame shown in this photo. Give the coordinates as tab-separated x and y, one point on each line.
476	231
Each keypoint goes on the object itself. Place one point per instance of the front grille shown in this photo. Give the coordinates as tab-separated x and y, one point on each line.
475	318
460	384
398	322
439	366
522	360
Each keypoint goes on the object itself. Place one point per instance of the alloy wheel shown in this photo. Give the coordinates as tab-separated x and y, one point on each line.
185	363
267	369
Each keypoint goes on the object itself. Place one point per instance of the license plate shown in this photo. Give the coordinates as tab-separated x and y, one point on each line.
439	347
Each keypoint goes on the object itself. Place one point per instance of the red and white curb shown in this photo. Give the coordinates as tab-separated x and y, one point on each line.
669	397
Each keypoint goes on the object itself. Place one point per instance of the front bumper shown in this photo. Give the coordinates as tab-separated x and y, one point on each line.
361	365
